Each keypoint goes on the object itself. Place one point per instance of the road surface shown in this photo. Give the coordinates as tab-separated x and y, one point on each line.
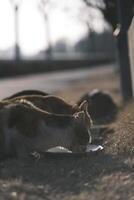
51	81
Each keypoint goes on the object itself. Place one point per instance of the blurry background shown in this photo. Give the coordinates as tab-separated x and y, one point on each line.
53	28
47	35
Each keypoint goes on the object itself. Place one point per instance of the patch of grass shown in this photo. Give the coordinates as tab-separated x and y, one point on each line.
122	141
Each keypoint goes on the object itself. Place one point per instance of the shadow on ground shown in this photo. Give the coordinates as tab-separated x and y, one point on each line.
63	175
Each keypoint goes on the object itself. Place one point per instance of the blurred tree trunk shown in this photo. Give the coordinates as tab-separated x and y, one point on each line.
49	50
17	48
44	8
125	17
16	6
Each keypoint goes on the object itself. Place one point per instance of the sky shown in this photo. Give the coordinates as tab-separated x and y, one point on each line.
66	21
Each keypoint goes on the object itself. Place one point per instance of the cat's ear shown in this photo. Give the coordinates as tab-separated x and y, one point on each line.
84	108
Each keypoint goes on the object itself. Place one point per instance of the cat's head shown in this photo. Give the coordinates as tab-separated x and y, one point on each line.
82	125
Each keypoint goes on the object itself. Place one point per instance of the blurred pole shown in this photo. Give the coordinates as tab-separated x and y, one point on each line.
43	7
17	49
92	38
124	61
49	51
16	4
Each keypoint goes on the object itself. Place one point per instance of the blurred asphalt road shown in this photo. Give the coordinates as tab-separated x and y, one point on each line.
51	81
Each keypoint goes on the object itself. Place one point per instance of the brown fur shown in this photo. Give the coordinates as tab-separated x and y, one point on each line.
49	103
27	128
26	92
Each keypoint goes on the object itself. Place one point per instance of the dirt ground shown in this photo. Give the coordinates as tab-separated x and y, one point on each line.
107	175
